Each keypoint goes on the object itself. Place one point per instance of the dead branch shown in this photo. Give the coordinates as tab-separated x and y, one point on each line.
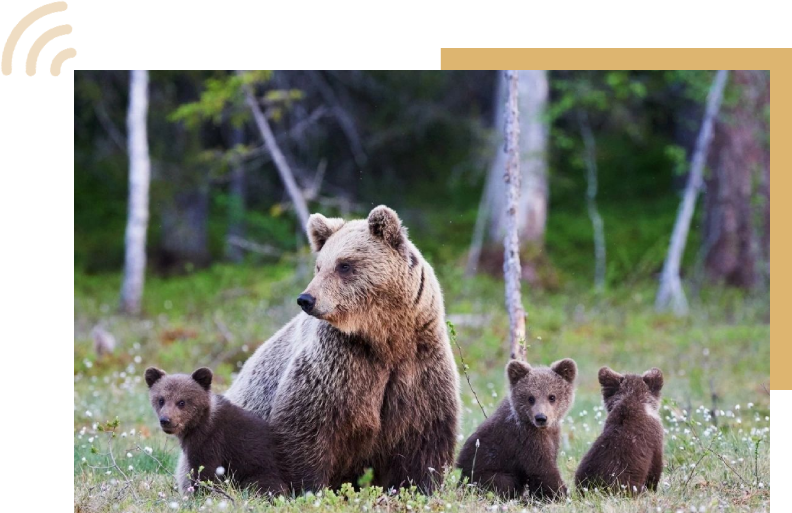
511	258
277	156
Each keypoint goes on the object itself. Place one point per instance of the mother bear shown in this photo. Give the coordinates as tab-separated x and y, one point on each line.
364	376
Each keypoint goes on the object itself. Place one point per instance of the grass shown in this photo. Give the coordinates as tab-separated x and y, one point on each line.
716	359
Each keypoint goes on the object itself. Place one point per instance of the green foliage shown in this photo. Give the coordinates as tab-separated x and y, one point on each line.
217	94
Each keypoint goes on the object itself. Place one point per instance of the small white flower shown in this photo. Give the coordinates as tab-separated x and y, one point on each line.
477	443
173	505
88	413
148	450
130	467
220	471
222	504
129	455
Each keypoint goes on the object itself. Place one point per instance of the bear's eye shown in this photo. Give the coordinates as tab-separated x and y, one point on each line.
161	401
344	268
552	398
180	404
531	400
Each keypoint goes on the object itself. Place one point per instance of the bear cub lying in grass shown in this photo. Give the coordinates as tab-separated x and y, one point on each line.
218	439
628	455
515	450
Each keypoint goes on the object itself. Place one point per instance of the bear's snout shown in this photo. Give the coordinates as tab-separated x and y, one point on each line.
306	302
165	422
541	419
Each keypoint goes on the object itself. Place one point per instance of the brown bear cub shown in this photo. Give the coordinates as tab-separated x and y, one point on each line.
515	449
218	439
628	455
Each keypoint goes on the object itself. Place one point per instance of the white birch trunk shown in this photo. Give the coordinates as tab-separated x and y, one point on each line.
138	210
670	291
511	255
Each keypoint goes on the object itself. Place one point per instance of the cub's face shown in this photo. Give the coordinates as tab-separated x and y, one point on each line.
541	395
361	266
643	388
179	400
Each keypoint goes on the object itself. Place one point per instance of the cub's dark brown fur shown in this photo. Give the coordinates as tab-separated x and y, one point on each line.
515	450
628	455
218	439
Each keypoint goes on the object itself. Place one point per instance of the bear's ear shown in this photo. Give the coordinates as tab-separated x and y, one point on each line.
654	380
609	378
566	368
320	228
385	224
204	377
517	370
153	375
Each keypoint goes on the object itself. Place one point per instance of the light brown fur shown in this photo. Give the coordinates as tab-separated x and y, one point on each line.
368	379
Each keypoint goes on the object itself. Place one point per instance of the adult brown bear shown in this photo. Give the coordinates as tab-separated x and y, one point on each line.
365	376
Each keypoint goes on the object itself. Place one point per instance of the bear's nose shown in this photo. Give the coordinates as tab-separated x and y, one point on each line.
306	302
541	419
164	421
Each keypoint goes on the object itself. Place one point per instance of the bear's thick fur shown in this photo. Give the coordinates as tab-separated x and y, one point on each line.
628	455
514	451
366	378
213	433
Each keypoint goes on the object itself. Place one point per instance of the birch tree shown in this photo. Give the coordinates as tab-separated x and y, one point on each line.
533	138
511	255
138	209
670	292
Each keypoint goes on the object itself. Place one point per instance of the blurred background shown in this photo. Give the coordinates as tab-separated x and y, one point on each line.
605	158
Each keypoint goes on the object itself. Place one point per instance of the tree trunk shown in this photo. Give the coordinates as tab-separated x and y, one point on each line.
532	206
185	228
236	201
733	235
670	291
138	209
511	254
590	150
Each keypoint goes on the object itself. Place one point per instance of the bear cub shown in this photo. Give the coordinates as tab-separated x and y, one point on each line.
515	449
217	437
628	455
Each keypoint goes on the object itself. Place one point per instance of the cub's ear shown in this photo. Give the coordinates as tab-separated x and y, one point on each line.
320	228
204	377
517	370
566	368
610	379
654	380
385	224
153	375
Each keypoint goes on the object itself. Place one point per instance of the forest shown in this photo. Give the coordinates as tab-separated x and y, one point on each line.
643	223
